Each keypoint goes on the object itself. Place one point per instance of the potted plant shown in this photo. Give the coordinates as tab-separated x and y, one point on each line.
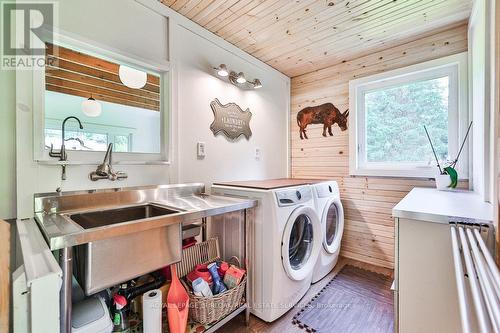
448	176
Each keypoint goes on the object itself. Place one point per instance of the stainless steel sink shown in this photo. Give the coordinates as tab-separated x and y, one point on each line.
102	263
101	218
114	235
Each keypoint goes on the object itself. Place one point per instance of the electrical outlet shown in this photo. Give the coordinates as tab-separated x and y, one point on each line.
200	150
258	154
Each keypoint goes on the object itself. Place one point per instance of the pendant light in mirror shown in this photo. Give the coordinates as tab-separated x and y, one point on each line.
132	78
91	107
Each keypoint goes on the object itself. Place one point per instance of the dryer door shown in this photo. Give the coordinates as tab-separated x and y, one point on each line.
301	243
333	224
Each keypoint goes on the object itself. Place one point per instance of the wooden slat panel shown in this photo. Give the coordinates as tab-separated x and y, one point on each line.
240	12
77	68
366	257
370	228
84	75
367	201
371	33
85	94
215	10
124	98
72	76
199	7
302	36
260	27
91	61
323	26
168	2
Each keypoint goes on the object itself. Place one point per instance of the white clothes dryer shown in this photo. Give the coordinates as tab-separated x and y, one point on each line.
331	213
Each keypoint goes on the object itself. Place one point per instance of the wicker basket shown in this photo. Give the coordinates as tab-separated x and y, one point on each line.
206	310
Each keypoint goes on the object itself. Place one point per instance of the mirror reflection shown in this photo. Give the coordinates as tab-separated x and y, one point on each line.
115	103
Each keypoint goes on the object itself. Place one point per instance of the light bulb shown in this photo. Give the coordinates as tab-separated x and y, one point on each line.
91	107
132	78
222	70
241	78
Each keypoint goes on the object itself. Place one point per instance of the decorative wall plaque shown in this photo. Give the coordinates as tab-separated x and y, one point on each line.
231	120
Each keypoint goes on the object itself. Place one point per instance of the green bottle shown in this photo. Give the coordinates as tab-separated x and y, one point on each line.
120	320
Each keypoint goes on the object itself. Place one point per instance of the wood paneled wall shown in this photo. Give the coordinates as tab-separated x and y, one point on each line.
368	201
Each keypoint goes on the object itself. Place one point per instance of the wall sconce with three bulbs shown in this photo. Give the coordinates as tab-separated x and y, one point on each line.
238	79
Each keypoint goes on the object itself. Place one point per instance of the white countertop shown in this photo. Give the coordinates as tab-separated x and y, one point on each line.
429	204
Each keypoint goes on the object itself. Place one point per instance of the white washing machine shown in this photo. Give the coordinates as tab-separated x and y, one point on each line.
331	213
285	241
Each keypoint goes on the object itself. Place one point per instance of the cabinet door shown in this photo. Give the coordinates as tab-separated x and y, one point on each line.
428	299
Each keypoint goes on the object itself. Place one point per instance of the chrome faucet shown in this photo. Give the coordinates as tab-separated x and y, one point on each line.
105	169
62	152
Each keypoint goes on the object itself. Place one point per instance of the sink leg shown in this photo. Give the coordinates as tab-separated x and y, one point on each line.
66	263
246	263
204	235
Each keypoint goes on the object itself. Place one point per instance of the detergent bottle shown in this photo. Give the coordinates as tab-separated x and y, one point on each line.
218	286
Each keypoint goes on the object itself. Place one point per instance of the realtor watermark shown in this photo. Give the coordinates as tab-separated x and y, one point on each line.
26	28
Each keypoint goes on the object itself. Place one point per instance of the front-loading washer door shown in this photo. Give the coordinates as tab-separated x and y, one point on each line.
301	243
333	224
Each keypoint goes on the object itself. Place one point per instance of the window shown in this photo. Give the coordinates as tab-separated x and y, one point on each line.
386	128
122	143
95	138
76	140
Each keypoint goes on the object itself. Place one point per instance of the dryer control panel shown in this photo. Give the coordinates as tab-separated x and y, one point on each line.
327	189
294	196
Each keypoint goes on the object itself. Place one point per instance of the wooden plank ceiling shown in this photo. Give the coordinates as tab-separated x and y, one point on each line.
300	36
75	73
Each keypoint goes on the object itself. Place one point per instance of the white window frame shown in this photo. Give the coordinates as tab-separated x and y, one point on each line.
86	157
454	66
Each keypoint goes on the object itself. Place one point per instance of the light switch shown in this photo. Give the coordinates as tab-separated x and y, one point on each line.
200	150
258	154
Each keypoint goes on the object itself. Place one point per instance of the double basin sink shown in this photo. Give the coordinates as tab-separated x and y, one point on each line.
117	235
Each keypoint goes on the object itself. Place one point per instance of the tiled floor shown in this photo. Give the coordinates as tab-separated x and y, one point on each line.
284	324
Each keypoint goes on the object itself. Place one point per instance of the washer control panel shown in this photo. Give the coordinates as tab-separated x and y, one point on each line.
294	196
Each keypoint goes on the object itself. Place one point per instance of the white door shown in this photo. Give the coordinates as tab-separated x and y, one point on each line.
333	224
301	243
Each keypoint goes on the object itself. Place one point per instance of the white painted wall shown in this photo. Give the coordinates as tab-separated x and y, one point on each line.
133	28
7	144
226	160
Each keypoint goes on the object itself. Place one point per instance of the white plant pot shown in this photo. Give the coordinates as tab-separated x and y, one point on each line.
443	182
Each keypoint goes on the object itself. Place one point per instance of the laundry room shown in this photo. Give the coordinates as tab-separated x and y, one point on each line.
190	166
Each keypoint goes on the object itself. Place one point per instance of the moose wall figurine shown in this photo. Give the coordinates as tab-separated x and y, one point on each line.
326	114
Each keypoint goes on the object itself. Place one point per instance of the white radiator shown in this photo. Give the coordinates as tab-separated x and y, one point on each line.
478	277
